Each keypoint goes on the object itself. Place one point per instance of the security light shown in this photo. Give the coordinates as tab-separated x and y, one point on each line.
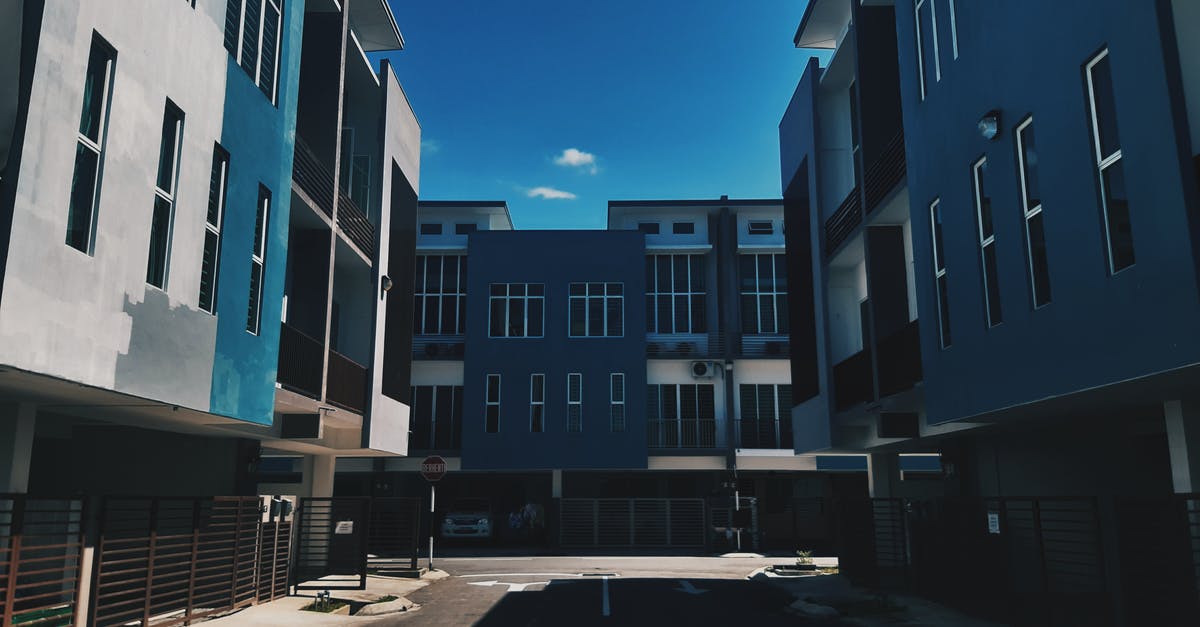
385	285
989	124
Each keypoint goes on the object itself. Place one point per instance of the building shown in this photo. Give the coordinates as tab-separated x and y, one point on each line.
158	212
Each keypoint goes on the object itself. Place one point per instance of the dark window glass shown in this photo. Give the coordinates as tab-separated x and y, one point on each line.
252	315
1105	107
925	42
748	272
492	419
431	228
536	418
763	227
985	201
944	310
80	214
168	149
595	317
233	21
939	260
1040	265
615	316
497	327
1116	207
683	228
697	272
444	418
253	13
160	227
995	314
535	317
422	425
1029	157
95	92
649	228
578	313
270	50
208	272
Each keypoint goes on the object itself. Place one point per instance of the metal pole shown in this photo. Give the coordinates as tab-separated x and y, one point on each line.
737	506
432	522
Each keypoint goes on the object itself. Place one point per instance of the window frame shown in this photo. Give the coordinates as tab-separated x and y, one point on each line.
431	228
421	296
937	62
650	228
239	46
575	407
489	403
940	275
991	280
777	260
1029	214
653	291
220	159
258	261
587	298
171	112
614	403
750	227
683	228
1104	162
104	50
537	403
507	298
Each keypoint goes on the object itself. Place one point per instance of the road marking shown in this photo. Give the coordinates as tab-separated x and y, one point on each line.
486	559
686	586
606	607
512	587
525	575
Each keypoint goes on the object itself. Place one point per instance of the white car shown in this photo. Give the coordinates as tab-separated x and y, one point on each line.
468	519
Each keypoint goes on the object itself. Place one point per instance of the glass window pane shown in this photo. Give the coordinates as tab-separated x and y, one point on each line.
456	434
83	196
270	42
423	417
651	324
536	313
491	422
699	324
1039	264
516	289
652	404
253	311
944	310
260	222
766	274
666	319
94	93
418	313
780	273
250	35
462	315
680	263
433	275
432	314
448	314
749	313
615	289
616	317
443	417
538	385
747	272
699	276
208	271
936	217
995	315
578	314
499	289
984	202
578	289
781	313
516	317
687	402
707	408
664	273
926	44
617	419
450	274
536	418
167	150
156	268
650	273
493	388
595	316
497	324
766	313
1029	156
1116	209
1105	107
681	315
419	275
537	289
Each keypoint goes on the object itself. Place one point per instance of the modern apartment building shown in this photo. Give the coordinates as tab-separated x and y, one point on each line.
157	212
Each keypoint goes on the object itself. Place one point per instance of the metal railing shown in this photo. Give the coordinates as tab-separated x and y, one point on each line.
682	434
888	169
766	434
41	544
842	223
645	522
852	381
439	347
771	346
900	360
355	224
684	345
312	177
347	385
300	361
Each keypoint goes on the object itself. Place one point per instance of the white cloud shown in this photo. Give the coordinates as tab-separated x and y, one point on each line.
549	193
431	146
576	158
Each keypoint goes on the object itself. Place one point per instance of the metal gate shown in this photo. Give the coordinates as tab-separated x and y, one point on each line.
1160	559
41	544
394	534
331	543
633	523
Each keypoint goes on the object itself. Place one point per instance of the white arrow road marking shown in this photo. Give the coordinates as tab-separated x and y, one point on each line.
525	575
686	586
512	587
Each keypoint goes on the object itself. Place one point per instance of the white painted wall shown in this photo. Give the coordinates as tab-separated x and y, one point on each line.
835	169
1187	35
484	219
847	288
745	217
93	319
666	218
437	373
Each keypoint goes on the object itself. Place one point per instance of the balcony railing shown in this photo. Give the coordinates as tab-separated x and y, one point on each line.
347	383
885	172
689	345
300	362
852	382
900	360
682	434
439	347
313	177
842	223
355	224
770	346
773	434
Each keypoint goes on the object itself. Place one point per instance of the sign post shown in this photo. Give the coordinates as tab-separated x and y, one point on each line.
433	468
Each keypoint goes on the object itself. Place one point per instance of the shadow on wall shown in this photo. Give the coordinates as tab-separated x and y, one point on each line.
170	352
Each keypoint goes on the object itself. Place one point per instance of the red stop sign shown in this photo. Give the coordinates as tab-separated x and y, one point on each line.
433	468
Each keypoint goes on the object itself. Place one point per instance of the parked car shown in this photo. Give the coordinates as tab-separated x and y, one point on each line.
468	518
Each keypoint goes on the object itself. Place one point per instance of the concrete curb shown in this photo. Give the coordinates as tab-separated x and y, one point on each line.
390	607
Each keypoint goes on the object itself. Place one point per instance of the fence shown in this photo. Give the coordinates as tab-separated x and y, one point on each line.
41	543
339	539
632	523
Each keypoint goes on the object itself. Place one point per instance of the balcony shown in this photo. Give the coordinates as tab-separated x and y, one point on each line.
852	382
438	347
768	346
684	345
886	172
765	434
300	362
313	178
355	224
682	434
842	223
900	360
347	383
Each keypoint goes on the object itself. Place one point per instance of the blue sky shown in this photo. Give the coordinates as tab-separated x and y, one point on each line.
660	99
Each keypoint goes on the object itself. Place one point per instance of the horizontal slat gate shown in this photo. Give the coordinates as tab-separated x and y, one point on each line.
41	543
632	523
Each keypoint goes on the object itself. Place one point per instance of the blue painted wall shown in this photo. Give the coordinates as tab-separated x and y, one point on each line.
260	138
555	258
1027	57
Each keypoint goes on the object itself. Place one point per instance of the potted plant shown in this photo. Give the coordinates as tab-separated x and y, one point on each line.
804	560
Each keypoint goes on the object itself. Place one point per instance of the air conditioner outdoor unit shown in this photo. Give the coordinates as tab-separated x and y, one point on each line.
704	369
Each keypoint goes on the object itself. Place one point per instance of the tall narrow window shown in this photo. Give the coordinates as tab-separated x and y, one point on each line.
1031	205
164	197
939	273
616	408
987	245
764	293
765	420
257	260
516	309
596	310
89	146
681	416
441	295
675	294
211	260
574	403
436	418
252	29
928	64
491	410
954	27
1118	228
537	403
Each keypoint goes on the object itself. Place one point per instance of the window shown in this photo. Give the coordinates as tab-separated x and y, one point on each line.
681	416
210	261
954	28
675	298
437	417
164	197
355	173
765	420
616	407
537	403
252	29
987	246
491	411
683	228
431	228
761	227
1031	205
89	146
516	309
597	310
465	228
939	273
649	228
1118	229
441	295
257	260
574	403
927	45
764	293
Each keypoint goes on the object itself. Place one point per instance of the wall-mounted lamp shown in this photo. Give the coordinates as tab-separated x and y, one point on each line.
989	124
729	366
385	285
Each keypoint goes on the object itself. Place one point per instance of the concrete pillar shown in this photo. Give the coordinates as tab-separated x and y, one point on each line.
322	471
17	422
556	484
1183	440
883	474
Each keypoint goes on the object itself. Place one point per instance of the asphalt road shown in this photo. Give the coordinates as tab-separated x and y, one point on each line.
580	591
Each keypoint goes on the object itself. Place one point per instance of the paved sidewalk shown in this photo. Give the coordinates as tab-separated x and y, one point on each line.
286	612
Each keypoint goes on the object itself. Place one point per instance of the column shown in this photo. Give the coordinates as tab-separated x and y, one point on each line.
883	474
321	470
17	423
